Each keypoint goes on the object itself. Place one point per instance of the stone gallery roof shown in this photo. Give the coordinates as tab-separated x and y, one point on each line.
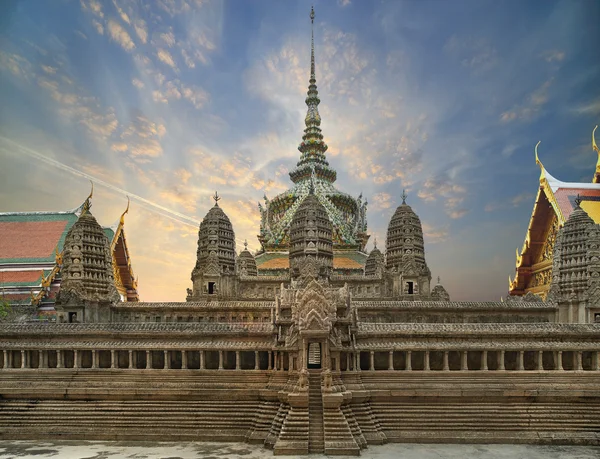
195	305
183	329
490	306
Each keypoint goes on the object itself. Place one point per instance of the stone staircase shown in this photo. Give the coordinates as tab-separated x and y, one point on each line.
316	441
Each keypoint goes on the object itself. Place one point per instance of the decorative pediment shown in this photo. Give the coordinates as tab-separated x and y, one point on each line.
212	265
313	309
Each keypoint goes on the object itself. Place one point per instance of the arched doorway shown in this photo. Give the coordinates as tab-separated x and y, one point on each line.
314	355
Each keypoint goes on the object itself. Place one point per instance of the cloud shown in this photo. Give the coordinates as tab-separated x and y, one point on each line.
93	6
16	64
165	57
141	30
590	109
344	3
122	13
119	35
197	96
141	139
137	83
475	53
515	201
382	201
442	186
532	106
188	60
168	38
98	26
434	235
553	55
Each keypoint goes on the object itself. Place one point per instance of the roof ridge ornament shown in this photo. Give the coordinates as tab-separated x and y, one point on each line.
217	198
88	202
122	219
404	196
539	162
578	201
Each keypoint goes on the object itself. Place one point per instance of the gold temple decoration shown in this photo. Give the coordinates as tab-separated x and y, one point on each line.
595	148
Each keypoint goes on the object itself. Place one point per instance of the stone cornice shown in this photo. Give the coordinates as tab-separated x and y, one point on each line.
140	344
195	305
491	306
478	345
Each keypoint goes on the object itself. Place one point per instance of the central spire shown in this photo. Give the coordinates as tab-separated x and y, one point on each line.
313	147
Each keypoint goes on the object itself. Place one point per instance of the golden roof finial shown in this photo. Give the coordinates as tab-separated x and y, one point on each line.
539	163
88	202
122	220
594	146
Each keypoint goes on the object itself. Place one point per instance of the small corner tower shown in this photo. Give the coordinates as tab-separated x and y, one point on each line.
375	262
246	263
87	278
214	273
405	254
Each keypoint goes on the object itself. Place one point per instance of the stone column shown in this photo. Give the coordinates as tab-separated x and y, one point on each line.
23	359
256	361
270	367
202	364
75	359
501	360
579	361
348	361
220	360
112	358
559	365
391	360
281	366
183	360
59	362
237	360
276	360
446	365
597	361
358	361
5	357
166	362
148	360
372	361
484	365
426	361
41	359
94	362
130	362
540	361
521	365
463	361
408	360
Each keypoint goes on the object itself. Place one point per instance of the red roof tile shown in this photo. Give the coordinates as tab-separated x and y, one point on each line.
9	277
30	239
565	197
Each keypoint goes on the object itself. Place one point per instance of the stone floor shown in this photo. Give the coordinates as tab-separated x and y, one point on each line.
153	450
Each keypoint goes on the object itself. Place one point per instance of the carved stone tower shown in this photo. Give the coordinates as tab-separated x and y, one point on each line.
375	263
576	269
311	239
405	254
214	273
87	279
246	263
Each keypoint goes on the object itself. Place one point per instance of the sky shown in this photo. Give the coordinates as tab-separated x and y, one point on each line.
170	100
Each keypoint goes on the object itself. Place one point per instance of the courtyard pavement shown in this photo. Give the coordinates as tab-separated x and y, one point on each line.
155	450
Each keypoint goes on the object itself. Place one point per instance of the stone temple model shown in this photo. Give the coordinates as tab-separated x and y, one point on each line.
308	358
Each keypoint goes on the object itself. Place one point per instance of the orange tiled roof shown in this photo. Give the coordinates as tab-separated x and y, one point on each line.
565	197
36	239
276	263
346	263
9	277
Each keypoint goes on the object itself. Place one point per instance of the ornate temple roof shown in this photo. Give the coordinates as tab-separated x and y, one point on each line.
554	203
30	243
347	214
246	262
374	261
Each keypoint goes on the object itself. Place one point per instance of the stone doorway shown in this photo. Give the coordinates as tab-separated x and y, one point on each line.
314	355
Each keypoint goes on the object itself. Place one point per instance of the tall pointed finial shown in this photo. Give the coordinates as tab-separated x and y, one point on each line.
595	148
312	43
245	244
122	220
217	198
375	243
438	280
88	202
404	196
578	201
